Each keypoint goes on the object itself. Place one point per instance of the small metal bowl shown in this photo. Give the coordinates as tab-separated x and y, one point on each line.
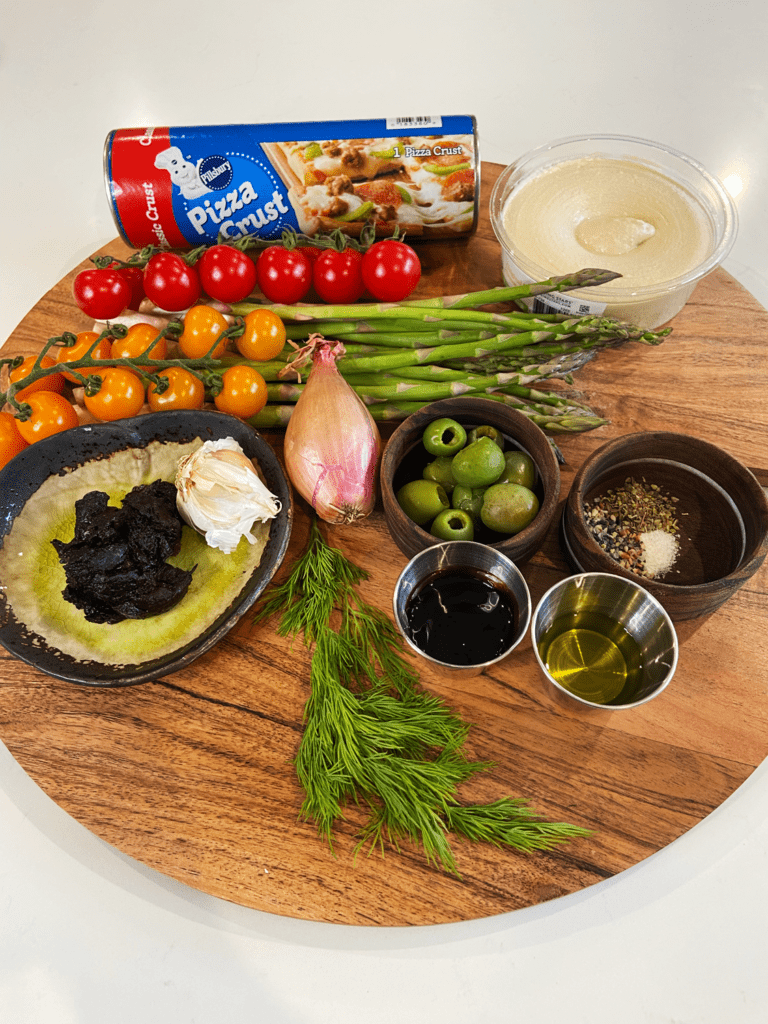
721	510
405	457
469	557
634	610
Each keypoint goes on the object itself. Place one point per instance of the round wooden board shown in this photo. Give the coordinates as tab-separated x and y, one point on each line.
192	774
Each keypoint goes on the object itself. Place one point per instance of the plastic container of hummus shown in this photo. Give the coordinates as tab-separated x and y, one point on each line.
617	203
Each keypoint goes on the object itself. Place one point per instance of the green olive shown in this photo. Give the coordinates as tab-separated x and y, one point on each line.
440	469
421	500
453	524
480	464
470	499
508	508
486	430
444	437
520	469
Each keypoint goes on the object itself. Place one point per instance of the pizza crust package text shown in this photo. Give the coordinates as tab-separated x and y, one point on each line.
184	187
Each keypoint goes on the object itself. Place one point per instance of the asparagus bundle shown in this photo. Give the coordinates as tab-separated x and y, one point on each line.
401	356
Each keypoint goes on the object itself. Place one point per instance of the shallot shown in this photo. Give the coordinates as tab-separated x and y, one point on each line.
332	443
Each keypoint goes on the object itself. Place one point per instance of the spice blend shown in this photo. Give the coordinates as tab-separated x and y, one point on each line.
637	526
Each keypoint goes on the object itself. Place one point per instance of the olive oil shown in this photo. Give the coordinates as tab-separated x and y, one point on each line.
593	656
462	617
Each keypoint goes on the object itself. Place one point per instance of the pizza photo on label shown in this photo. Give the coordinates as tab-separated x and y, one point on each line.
420	185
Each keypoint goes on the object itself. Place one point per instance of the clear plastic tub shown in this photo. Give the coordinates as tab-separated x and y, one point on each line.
616	203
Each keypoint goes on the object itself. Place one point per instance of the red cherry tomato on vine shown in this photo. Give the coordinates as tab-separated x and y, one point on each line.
184	391
337	276
11	441
391	270
53	382
263	335
120	395
170	282
310	253
226	274
284	275
51	413
135	278
102	293
243	392
202	326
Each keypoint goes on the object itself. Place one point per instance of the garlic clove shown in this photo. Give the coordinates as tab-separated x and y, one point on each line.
220	494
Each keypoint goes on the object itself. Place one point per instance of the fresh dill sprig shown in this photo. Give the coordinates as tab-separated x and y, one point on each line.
372	736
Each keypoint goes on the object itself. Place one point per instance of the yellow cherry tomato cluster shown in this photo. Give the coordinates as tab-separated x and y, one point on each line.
119	391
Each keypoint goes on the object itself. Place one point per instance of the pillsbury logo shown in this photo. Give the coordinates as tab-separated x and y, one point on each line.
215	172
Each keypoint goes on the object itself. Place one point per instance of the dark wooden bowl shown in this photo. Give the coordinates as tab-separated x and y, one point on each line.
722	512
404	458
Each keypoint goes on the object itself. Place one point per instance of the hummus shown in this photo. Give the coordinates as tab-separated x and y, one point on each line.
618	215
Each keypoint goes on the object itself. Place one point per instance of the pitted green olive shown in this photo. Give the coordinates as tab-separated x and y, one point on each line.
453	524
486	430
444	437
421	500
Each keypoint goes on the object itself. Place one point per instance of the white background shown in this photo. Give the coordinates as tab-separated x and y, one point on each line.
88	936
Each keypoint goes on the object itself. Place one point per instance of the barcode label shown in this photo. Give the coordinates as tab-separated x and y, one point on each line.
414	122
554	303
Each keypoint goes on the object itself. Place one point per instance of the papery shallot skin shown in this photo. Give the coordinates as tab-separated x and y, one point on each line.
332	443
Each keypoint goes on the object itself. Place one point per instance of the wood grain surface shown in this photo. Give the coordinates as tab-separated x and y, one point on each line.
192	775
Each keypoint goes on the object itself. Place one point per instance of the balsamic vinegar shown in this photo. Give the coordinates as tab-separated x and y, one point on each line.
462	617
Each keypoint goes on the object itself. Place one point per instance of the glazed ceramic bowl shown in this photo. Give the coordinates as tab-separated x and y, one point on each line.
405	457
721	510
225	591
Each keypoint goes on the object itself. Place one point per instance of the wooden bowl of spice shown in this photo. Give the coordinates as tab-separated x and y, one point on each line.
674	512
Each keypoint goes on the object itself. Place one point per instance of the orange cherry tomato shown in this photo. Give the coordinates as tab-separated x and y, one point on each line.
80	349
120	396
263	336
11	441
202	326
184	391
52	382
51	413
137	341
243	392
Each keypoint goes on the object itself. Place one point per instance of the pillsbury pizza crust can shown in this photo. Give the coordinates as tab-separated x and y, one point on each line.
183	187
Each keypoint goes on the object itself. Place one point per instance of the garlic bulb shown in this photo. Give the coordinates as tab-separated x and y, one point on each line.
220	494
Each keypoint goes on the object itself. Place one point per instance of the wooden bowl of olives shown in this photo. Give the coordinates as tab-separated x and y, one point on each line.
690	526
470	469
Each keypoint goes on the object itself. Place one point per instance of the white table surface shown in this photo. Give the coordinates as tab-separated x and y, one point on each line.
89	936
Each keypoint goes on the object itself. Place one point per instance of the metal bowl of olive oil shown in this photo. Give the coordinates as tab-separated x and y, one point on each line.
603	643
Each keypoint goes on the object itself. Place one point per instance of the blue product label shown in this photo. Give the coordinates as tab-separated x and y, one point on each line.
224	186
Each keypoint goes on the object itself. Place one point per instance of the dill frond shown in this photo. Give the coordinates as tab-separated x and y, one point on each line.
373	736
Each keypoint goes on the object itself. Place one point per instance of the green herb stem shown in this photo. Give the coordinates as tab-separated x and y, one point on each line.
372	735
